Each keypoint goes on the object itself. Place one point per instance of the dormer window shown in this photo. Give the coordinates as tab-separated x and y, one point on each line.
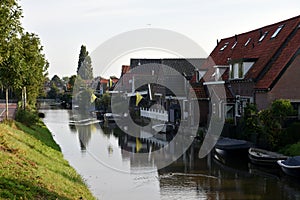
199	75
224	47
277	31
239	70
263	36
247	41
219	71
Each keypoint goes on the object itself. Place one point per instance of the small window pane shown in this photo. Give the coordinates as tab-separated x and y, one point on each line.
224	47
277	31
263	36
247	41
234	45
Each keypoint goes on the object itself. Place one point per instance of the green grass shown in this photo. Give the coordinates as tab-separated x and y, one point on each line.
32	166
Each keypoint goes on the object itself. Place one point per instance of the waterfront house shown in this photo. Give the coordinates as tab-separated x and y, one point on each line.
178	73
258	66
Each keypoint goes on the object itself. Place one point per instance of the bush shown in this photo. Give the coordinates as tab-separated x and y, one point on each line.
292	150
26	117
291	135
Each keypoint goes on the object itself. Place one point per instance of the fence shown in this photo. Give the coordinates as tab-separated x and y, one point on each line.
161	115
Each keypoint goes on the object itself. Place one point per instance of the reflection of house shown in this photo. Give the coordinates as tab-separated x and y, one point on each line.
260	66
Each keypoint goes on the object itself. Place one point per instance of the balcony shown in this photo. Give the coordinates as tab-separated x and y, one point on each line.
156	114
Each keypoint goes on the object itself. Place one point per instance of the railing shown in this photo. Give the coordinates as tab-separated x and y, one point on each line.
9	101
161	115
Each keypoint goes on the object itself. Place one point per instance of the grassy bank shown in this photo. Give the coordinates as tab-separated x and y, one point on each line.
32	166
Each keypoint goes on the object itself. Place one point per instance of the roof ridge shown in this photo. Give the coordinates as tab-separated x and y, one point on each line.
261	28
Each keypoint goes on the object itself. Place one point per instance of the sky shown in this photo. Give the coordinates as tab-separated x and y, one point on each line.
64	25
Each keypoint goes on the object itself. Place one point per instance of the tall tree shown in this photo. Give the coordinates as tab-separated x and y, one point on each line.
22	64
84	69
34	68
10	57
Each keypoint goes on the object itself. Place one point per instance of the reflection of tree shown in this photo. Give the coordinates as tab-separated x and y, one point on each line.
84	134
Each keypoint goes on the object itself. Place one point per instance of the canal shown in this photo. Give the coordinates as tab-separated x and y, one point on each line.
102	157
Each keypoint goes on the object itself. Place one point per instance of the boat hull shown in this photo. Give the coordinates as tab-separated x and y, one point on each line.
263	157
292	170
232	148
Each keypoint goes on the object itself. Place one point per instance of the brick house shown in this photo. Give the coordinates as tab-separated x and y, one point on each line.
159	94
259	66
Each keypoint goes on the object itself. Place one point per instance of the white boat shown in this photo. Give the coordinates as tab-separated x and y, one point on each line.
290	166
264	157
111	118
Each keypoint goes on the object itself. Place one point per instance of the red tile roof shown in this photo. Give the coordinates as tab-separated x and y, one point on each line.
271	54
103	81
125	69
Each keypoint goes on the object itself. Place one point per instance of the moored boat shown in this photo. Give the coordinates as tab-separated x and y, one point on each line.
110	118
232	147
264	157
290	166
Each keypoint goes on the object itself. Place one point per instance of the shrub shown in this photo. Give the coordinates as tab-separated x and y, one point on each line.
292	150
26	117
291	135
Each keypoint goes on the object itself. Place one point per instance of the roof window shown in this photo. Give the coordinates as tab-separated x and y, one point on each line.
247	41
234	45
224	47
263	36
277	31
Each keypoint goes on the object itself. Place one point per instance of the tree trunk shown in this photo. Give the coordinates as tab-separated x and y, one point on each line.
22	101
6	95
25	97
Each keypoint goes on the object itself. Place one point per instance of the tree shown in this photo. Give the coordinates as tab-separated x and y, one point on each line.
54	91
84	69
10	58
56	81
71	83
22	64
34	68
273	119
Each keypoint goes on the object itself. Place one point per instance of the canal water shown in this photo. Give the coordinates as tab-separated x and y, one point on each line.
102	158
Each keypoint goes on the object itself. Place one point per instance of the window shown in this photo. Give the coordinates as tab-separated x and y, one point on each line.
219	71
239	70
277	31
263	36
224	47
247	41
234	71
229	108
199	75
234	45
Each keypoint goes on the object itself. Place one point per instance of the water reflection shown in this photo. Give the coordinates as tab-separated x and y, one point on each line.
99	154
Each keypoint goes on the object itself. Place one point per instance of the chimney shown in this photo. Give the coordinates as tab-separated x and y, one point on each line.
260	32
235	37
217	42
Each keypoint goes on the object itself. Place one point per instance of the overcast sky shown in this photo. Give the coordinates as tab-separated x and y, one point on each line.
64	25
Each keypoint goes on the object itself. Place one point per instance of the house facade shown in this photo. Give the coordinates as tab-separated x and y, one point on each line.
260	66
176	75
